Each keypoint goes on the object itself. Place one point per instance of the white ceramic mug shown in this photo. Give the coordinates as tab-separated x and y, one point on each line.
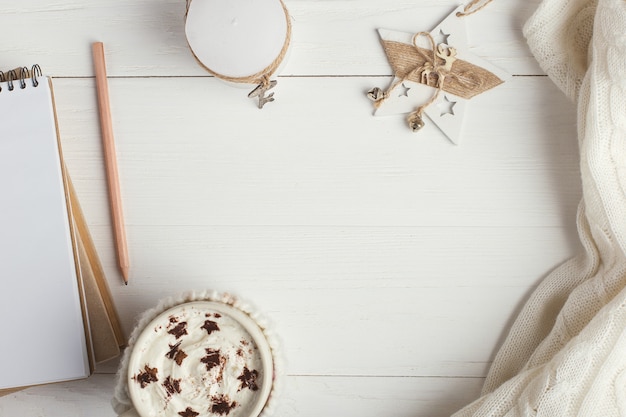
200	356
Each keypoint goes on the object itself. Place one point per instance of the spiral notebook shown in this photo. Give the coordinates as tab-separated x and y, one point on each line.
53	296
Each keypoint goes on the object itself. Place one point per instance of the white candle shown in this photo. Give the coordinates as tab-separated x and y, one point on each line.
237	39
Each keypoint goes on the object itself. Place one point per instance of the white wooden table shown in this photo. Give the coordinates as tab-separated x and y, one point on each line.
389	263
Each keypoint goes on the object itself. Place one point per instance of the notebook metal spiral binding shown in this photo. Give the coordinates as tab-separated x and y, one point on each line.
12	77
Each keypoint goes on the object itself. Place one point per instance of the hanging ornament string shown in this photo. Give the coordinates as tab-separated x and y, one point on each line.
473	7
431	68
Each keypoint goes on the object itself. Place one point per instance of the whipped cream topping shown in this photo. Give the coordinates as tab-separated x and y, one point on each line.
200	359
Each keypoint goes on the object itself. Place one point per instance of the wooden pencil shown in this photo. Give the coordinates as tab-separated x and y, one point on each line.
110	158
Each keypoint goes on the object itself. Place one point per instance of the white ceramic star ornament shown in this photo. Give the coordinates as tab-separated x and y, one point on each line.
435	75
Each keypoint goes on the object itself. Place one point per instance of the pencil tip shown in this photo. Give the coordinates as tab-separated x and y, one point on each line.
124	271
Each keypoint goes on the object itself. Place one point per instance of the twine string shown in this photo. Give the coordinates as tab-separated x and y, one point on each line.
473	7
265	81
262	78
430	67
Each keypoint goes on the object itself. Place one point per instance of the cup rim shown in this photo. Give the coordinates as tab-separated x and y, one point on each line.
241	317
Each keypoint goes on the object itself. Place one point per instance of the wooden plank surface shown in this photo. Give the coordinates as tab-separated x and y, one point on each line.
302	396
146	38
389	264
310	160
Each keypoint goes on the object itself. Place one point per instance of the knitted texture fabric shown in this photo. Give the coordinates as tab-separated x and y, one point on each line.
565	355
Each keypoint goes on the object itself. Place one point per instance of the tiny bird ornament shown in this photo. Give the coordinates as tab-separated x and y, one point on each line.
434	76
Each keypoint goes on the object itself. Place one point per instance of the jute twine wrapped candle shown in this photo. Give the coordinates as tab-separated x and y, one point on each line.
240	41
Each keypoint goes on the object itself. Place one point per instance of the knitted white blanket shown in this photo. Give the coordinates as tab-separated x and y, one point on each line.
566	352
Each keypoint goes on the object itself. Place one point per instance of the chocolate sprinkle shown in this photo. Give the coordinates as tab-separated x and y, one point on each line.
222	405
180	330
188	413
176	354
172	386
248	379
210	326
146	377
212	359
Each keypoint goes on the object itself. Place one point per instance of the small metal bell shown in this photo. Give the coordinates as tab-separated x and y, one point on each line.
415	122
375	94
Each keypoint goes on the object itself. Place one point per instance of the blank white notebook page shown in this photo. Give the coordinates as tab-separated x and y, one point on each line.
43	334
